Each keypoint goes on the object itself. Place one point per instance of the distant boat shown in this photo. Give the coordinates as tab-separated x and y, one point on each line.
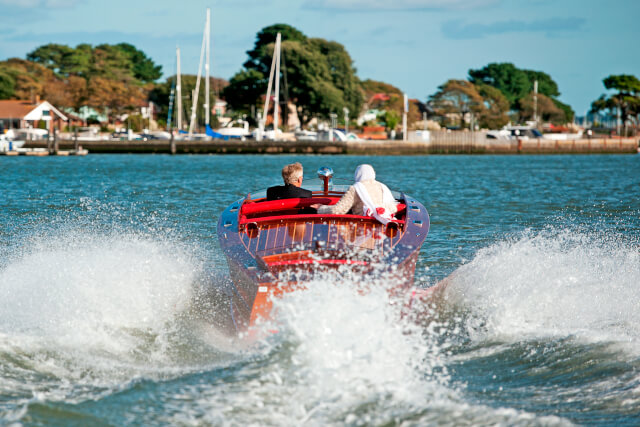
325	135
306	135
515	132
125	135
234	129
85	134
7	144
19	136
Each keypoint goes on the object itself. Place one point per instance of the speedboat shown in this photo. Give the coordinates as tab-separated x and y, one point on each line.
234	129
275	247
9	142
515	132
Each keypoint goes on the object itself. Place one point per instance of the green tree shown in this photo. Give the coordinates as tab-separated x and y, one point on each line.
144	69
456	100
51	56
546	85
517	84
318	75
547	110
342	71
623	83
311	85
372	87
510	80
259	56
626	98
121	61
119	97
25	79
7	84
569	114
244	90
110	62
391	119
77	61
494	115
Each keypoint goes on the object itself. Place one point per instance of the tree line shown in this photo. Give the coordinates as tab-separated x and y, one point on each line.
114	77
499	93
317	76
624	103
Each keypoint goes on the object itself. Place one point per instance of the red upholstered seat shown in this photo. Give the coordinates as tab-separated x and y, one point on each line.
284	204
252	208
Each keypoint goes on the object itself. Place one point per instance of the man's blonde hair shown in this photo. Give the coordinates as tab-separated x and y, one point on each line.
291	173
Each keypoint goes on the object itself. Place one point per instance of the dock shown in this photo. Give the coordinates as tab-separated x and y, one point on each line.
384	147
42	152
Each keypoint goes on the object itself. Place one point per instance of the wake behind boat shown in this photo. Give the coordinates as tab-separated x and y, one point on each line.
274	247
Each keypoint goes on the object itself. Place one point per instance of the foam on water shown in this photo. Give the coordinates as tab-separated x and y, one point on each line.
343	354
94	308
85	315
554	283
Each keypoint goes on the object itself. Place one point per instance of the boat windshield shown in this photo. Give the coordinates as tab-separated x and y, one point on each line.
316	184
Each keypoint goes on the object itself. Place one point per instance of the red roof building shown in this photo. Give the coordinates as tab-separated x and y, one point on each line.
20	114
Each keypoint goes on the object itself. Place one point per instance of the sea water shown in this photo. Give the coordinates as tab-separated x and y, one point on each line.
103	318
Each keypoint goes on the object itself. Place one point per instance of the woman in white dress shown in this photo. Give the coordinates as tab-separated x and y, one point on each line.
366	197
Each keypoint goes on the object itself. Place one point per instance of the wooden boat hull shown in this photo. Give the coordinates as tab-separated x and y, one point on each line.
276	247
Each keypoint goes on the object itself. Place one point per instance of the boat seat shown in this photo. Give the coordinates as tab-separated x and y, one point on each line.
263	207
267	208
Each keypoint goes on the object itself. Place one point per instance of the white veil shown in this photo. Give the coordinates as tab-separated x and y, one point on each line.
366	173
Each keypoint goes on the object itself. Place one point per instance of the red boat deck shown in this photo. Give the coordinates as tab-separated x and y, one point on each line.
270	228
277	246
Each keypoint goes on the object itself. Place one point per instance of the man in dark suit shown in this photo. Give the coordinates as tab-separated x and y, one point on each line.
292	176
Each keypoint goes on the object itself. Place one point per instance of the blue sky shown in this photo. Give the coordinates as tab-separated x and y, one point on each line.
415	45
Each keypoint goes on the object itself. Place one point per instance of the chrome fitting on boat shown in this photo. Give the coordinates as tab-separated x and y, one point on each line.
325	173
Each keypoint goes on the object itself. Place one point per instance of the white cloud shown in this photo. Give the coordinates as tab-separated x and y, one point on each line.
364	5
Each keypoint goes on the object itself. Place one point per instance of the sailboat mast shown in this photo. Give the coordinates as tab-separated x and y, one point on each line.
178	90
535	102
172	97
265	112
276	104
194	107
206	69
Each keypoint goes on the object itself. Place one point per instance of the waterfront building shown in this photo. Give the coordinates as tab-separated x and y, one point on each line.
21	114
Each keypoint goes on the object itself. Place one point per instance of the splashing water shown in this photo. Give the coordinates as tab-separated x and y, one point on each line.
86	315
343	353
91	309
554	283
521	336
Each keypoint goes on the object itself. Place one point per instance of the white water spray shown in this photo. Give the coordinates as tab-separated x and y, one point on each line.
94	299
554	284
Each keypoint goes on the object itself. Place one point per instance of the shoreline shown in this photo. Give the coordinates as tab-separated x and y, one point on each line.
386	147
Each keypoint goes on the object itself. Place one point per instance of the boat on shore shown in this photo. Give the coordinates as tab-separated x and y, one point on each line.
275	247
14	139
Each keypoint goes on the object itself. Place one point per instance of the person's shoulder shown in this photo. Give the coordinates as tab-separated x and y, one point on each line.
303	192
383	185
274	192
